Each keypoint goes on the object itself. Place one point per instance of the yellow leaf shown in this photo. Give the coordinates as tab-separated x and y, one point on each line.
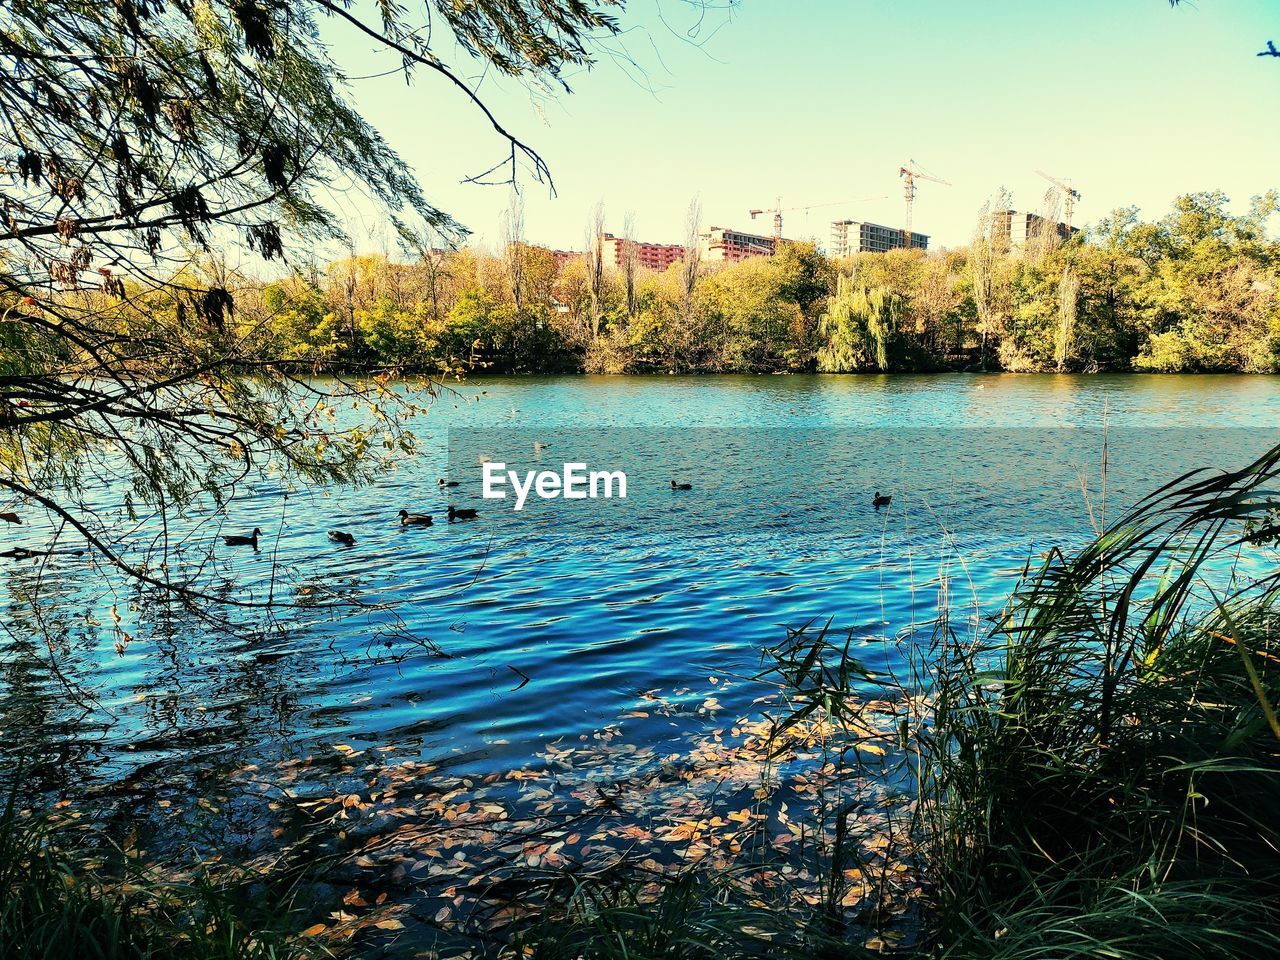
315	930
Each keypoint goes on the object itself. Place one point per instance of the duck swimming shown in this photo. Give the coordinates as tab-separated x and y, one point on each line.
447	483
408	519
236	540
879	501
681	486
339	536
470	513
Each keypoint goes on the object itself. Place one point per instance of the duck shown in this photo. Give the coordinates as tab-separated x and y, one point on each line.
470	513
447	483
342	537
408	519
22	553
681	486
881	500
10	517
235	540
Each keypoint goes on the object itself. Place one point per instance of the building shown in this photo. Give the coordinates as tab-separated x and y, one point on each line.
563	257
653	256
857	236
1022	230
721	243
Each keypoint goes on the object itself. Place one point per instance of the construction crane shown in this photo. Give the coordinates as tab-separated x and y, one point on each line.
1069	197
778	210
910	174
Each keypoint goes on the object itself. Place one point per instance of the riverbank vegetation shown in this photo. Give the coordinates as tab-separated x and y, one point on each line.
68	893
1096	775
1195	290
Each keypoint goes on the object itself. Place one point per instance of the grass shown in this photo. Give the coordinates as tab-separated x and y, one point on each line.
1102	771
54	905
690	917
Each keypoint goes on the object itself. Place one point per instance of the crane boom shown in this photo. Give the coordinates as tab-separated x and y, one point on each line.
1069	197
779	210
776	210
910	174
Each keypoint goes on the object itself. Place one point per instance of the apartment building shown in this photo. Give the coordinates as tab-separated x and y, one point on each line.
858	236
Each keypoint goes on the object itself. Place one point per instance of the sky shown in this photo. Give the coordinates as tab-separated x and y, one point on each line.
821	102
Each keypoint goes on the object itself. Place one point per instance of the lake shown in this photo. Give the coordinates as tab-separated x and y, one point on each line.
483	643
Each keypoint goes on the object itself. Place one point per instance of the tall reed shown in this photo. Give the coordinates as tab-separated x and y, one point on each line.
56	903
1100	775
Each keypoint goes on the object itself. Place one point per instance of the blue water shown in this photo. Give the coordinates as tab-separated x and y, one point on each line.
555	621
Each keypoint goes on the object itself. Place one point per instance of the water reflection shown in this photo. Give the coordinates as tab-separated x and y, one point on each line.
592	606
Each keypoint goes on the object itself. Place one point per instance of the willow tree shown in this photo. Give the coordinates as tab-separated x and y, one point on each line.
142	137
858	326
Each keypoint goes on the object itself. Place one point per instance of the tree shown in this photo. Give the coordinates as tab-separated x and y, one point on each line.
432	262
1195	290
691	265
540	275
514	248
1068	308
935	306
298	321
136	132
805	276
630	261
858	327
987	255
595	269
756	326
1213	288
1113	265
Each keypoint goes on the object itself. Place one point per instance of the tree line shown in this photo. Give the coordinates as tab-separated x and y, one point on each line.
1195	290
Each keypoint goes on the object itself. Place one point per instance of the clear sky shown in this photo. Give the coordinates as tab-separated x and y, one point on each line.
822	100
